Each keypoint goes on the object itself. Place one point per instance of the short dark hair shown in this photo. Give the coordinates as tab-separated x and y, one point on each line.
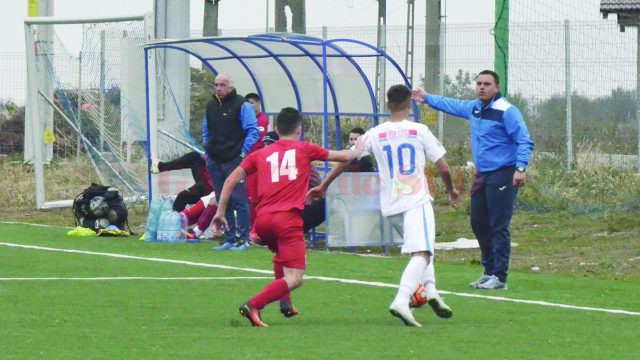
398	97
288	121
357	130
253	96
492	73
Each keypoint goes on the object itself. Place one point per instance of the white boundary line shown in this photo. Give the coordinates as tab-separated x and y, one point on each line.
321	278
32	224
109	278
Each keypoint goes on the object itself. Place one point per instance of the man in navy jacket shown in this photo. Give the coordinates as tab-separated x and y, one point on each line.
501	149
229	131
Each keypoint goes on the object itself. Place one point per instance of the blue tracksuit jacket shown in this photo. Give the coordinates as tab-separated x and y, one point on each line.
499	135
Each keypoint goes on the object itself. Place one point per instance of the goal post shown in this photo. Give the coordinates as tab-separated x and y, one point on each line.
85	110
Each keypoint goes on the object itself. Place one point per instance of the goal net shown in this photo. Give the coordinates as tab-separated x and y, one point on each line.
85	115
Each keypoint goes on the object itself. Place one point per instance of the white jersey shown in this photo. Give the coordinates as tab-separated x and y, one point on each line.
401	150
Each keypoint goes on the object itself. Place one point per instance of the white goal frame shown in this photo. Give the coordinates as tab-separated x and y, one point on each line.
34	94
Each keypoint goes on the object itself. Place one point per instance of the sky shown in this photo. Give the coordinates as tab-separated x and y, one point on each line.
246	14
468	41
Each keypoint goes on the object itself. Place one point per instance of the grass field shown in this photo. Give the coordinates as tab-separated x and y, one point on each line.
180	301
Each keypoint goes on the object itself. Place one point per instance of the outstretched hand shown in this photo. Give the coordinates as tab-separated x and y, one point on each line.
454	198
314	194
418	94
220	222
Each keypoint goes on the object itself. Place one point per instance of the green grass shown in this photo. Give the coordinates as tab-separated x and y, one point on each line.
199	318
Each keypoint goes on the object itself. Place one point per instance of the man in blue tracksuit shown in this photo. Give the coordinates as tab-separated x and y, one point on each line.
229	131
501	148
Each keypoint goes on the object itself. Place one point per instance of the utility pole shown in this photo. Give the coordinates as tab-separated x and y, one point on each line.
433	62
408	59
298	16
380	62
432	47
210	23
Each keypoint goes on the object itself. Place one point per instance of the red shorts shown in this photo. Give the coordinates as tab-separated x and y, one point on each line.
282	233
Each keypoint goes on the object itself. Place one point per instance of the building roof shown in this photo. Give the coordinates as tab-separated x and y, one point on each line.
613	6
628	11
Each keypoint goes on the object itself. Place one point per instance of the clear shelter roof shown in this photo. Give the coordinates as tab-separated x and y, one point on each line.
292	70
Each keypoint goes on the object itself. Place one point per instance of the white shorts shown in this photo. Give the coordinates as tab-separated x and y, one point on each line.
417	228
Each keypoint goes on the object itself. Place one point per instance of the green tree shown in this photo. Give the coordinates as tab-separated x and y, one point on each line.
461	87
201	94
606	121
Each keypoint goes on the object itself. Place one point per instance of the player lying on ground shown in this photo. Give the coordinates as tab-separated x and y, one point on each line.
203	184
283	170
201	214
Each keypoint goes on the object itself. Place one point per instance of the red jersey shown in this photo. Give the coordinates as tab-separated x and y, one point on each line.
263	127
283	171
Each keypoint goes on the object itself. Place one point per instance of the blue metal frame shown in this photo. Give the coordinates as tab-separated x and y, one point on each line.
284	68
367	83
296	42
244	64
374	104
331	88
393	62
325	124
146	92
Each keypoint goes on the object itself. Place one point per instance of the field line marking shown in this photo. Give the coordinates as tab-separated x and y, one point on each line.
321	278
546	303
109	278
32	224
132	257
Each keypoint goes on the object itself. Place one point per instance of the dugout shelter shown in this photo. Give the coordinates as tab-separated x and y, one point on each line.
331	79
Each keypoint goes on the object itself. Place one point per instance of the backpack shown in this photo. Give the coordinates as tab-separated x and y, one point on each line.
99	206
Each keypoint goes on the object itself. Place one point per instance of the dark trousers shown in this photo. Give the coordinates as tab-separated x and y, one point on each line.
493	197
219	173
313	214
202	187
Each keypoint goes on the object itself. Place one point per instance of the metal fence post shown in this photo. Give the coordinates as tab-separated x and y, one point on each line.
638	89
567	74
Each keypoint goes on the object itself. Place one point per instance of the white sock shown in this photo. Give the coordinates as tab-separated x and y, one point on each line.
410	279
197	231
429	281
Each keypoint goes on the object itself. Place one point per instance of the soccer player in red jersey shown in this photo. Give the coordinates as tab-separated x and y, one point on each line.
283	170
252	181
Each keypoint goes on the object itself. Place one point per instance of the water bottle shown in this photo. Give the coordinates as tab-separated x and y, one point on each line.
178	227
184	225
151	229
167	204
164	230
173	227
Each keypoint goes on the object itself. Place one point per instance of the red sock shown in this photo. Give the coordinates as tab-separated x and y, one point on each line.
269	294
204	221
193	213
278	272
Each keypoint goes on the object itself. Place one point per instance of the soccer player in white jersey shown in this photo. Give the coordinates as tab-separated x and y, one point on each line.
401	148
